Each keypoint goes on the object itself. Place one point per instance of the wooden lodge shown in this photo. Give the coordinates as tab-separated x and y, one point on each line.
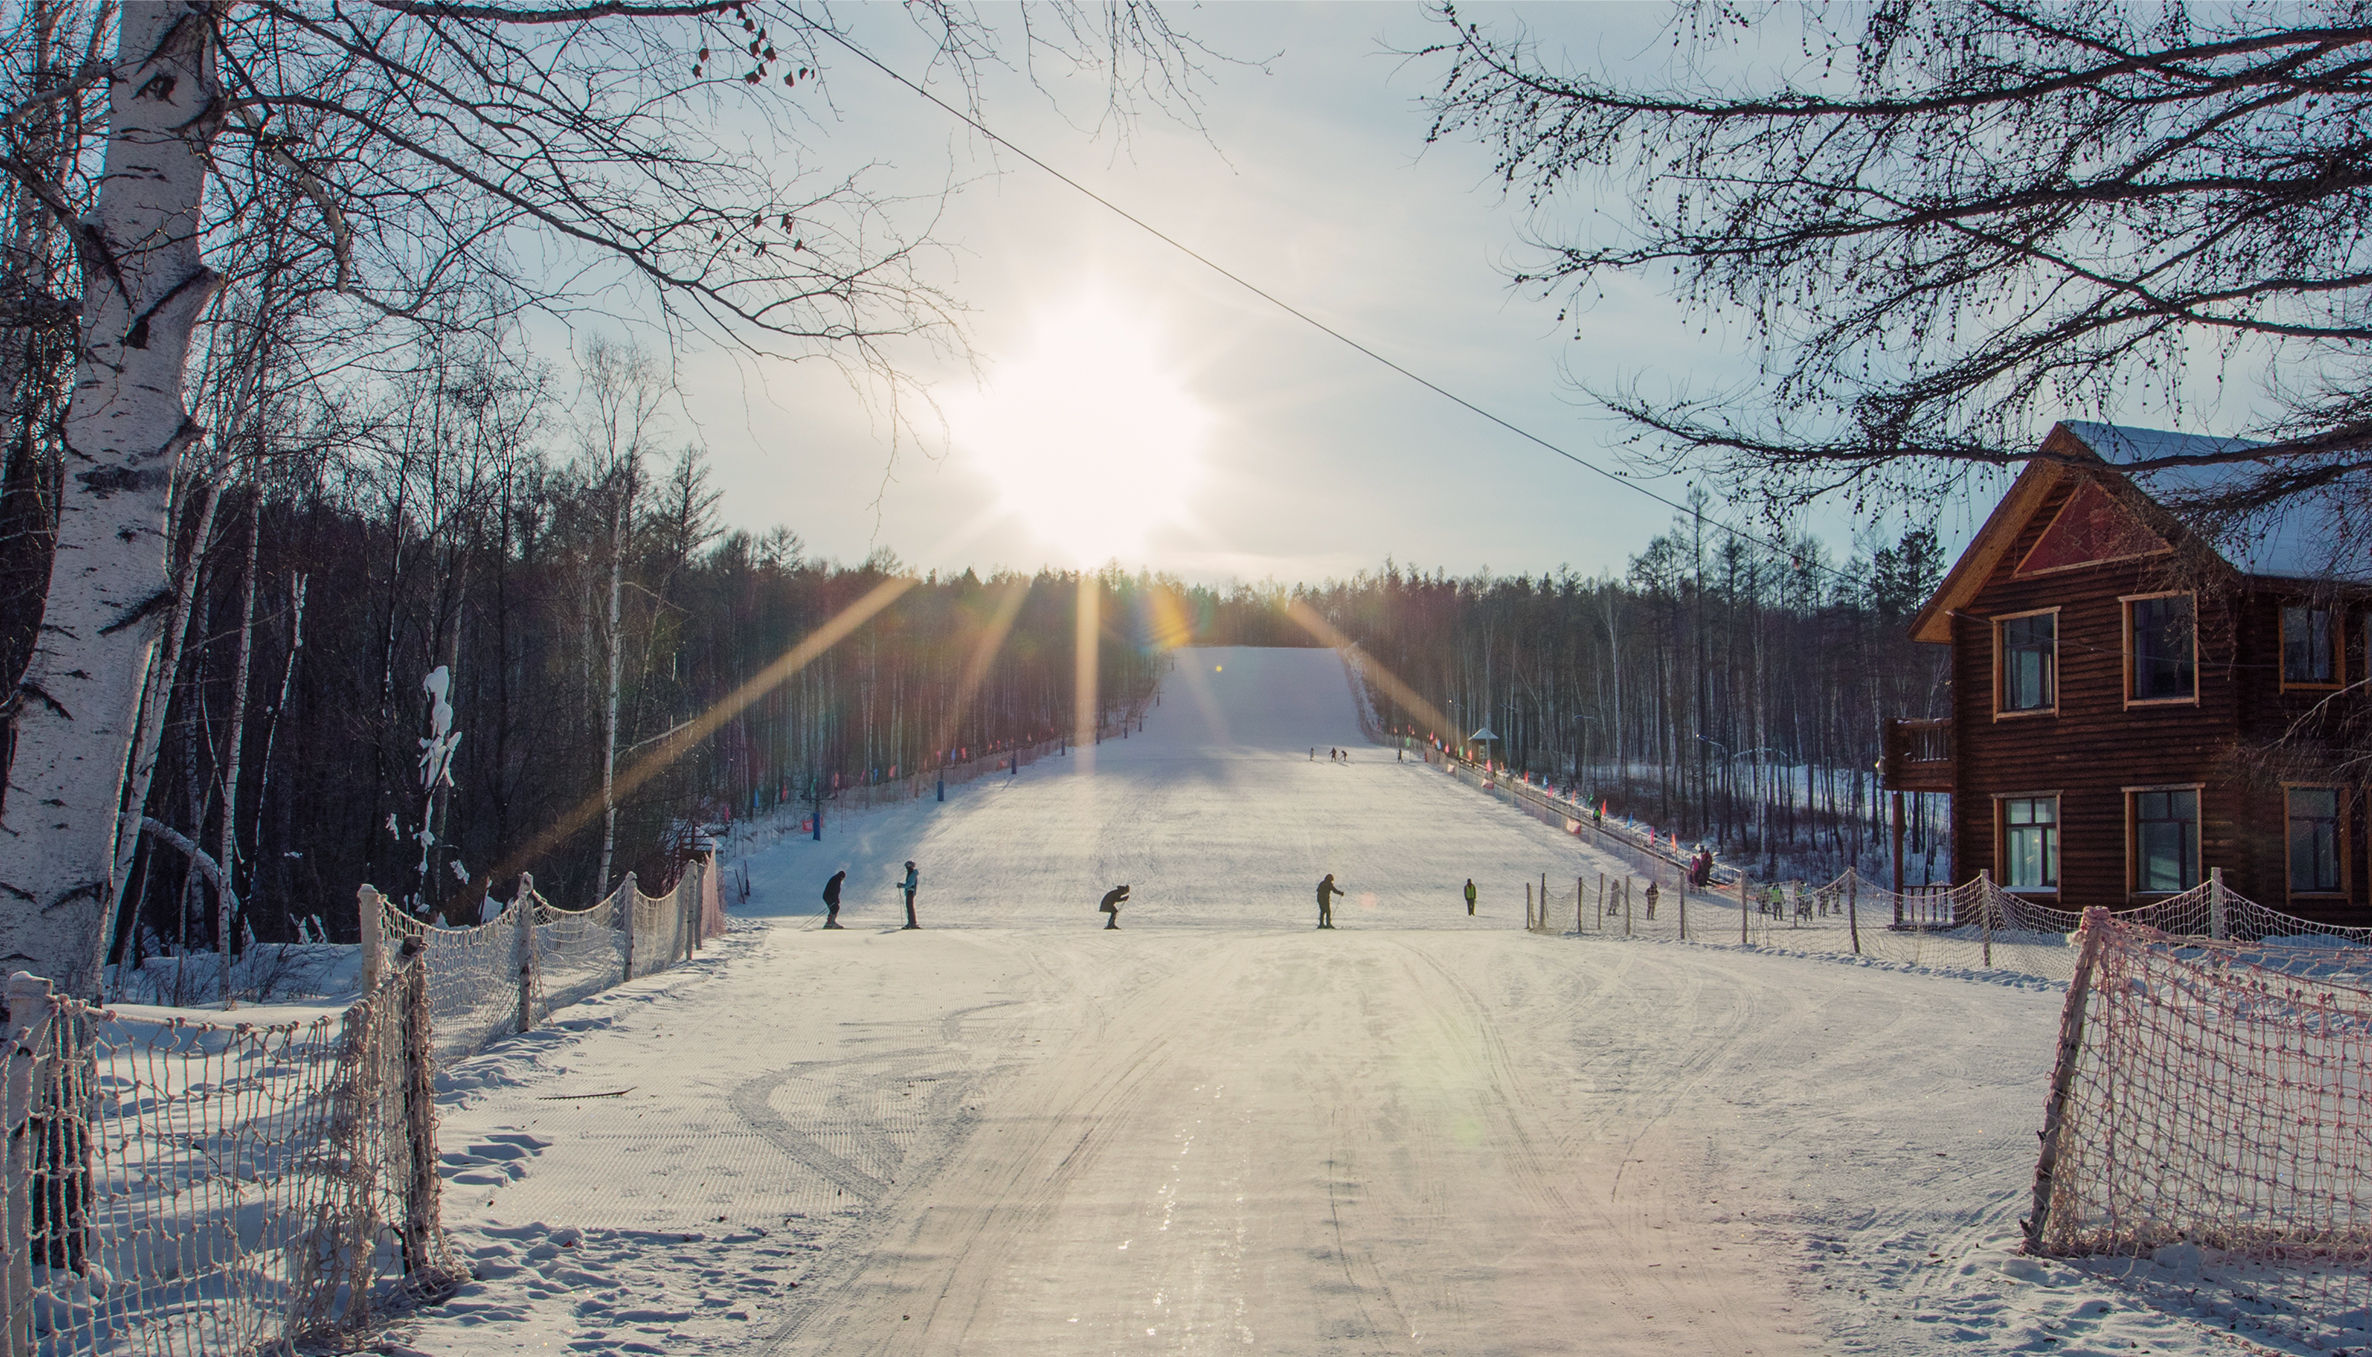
2135	702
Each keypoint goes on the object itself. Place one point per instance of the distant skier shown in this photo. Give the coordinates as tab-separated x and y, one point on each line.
1113	899
913	879
1470	897
832	899
1327	891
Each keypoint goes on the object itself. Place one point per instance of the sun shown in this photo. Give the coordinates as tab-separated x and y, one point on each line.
1089	434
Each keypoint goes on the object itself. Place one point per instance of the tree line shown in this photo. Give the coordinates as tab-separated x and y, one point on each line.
1723	688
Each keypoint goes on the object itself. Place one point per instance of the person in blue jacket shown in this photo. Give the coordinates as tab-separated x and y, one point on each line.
913	879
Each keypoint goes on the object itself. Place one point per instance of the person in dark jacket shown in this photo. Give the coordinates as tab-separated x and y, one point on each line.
832	899
1327	891
1111	905
913	879
1470	897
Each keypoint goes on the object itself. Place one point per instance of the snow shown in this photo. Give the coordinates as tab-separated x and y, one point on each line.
1014	1131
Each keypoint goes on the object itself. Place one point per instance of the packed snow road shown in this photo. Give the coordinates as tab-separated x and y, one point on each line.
1221	1129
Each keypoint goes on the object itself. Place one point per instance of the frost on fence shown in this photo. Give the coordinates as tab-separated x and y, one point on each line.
578	952
489	981
2212	1096
184	1189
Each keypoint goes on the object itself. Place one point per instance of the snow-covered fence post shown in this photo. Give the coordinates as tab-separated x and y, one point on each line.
2093	932
1985	910
523	949
369	907
1852	908
28	1009
2218	927
687	915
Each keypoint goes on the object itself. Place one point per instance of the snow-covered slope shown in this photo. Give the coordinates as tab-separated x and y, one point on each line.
1222	813
1219	1129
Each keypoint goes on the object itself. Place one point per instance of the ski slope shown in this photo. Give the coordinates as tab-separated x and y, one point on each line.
1219	1129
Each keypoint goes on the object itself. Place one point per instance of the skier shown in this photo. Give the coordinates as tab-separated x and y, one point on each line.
1470	897
1651	899
1113	899
1326	891
912	880
832	899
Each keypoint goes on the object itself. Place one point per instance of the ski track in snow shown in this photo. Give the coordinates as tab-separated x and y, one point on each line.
1220	1129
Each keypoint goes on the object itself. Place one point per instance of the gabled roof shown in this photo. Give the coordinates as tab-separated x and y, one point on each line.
2298	539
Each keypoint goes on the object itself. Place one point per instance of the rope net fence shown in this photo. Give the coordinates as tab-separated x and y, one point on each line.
509	973
190	1189
2209	1114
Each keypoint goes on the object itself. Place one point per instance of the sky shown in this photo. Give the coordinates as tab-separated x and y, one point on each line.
1123	401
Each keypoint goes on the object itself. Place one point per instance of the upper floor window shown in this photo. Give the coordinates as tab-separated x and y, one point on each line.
2166	840
2030	842
2314	840
2029	662
2309	646
2160	660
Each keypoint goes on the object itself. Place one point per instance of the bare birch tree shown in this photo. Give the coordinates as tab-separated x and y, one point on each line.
431	138
1948	225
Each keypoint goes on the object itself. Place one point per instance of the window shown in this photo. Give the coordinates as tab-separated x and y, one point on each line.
2160	663
2309	653
2029	662
2314	840
2030	843
2166	840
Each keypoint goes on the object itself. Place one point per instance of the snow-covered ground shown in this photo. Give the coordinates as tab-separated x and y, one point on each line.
1218	1128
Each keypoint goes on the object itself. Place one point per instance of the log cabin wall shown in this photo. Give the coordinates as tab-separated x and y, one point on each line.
2094	747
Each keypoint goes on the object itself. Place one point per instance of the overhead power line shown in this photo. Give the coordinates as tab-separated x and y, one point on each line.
969	120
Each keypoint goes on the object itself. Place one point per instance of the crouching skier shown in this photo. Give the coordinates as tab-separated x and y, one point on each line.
1111	905
832	899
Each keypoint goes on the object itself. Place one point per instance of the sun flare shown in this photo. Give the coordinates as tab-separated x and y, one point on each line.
1089	434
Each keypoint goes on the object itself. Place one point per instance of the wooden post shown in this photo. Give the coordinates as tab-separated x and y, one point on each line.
1985	910
2218	927
623	912
422	1186
1528	924
1683	907
1741	907
29	1003
1581	900
1601	902
2063	1071
1852	908
369	919
523	949
1626	906
1544	902
686	907
1898	857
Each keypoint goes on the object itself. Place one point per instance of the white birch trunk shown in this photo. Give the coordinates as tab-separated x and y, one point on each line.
145	284
609	742
225	903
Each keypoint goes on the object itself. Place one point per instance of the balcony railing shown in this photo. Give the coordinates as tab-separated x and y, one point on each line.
1918	756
